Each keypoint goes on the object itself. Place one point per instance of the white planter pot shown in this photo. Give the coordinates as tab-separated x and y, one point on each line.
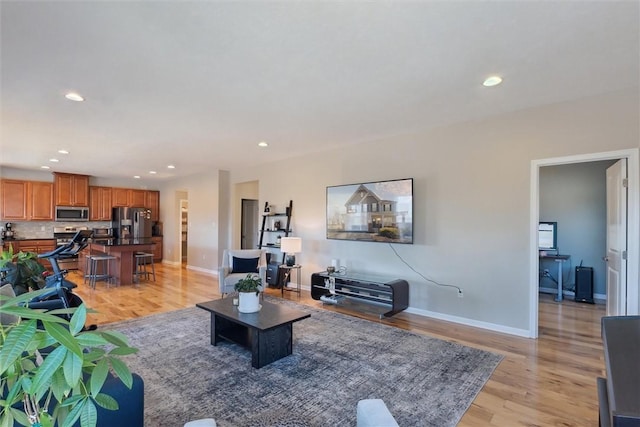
249	302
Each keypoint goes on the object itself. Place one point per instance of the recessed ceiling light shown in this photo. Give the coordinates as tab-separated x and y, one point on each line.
136	176
171	167
153	172
262	144
72	96
45	167
54	160
63	152
492	81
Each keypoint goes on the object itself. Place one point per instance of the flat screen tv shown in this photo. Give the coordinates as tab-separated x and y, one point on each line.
547	236
380	211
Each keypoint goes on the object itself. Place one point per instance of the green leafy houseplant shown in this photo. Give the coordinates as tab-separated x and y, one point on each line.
251	283
51	370
22	270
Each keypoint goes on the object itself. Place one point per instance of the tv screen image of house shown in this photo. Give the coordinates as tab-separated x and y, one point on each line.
379	211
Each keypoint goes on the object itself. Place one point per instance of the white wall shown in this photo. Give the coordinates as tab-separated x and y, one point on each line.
203	194
471	195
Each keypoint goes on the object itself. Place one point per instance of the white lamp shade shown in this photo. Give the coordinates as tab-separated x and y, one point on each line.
291	245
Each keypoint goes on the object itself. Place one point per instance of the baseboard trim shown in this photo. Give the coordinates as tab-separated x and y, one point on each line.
202	270
470	322
173	263
601	297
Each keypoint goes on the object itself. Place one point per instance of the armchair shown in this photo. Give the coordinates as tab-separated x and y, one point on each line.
236	264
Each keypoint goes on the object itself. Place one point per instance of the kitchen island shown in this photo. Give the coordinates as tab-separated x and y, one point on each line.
122	268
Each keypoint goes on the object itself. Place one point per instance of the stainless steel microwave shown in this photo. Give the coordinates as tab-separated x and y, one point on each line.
72	213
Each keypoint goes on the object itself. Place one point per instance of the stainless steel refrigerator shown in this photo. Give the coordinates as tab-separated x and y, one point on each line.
131	223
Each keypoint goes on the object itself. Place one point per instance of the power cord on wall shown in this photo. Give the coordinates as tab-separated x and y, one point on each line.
459	289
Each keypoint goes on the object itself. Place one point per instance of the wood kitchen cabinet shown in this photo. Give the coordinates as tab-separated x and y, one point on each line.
14	200
120	197
100	203
137	198
71	190
26	200
152	201
38	246
41	197
157	248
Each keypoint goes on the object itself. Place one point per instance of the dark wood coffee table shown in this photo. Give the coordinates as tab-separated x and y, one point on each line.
267	333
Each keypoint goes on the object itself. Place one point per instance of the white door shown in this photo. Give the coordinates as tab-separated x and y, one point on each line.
617	239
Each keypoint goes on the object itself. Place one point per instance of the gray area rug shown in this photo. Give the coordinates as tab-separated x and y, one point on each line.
336	361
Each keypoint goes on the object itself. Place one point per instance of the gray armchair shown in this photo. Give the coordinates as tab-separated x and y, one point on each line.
245	262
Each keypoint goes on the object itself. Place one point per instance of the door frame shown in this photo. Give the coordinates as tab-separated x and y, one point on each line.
633	225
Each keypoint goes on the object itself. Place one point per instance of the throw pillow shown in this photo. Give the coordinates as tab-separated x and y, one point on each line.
245	265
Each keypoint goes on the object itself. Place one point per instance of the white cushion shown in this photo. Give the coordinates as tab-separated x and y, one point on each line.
205	422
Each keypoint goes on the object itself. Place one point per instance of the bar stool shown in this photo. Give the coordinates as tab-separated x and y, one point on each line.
94	262
144	259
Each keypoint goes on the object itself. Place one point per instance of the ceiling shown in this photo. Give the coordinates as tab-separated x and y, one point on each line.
198	84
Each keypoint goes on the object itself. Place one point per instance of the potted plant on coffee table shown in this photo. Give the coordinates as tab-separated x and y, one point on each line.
249	293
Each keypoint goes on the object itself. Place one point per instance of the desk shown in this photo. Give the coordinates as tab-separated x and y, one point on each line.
559	259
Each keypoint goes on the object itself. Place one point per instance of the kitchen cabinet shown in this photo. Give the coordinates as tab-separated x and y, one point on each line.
137	198
157	248
100	203
152	201
38	246
14	200
120	197
71	190
26	200
41	197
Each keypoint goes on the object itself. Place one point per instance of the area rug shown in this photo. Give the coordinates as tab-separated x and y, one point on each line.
337	360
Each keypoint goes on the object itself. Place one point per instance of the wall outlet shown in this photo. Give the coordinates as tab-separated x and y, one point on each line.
460	293
545	272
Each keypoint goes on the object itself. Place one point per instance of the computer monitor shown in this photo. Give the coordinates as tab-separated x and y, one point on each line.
547	236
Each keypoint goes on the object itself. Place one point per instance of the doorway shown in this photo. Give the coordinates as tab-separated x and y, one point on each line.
631	294
249	224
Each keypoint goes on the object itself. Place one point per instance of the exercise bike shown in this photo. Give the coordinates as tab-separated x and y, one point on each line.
60	294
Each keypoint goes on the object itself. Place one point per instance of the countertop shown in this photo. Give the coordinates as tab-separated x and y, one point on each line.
122	242
20	239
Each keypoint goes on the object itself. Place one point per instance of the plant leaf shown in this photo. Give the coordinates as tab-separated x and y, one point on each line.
29	313
123	351
115	338
74	413
90	339
106	401
89	415
78	319
72	367
99	376
62	335
16	342
122	371
45	371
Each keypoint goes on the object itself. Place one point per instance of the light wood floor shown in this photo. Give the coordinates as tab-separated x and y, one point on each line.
546	382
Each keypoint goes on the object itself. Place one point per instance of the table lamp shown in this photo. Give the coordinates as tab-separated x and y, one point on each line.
290	246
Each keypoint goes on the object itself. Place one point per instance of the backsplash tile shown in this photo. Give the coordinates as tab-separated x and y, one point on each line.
44	229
